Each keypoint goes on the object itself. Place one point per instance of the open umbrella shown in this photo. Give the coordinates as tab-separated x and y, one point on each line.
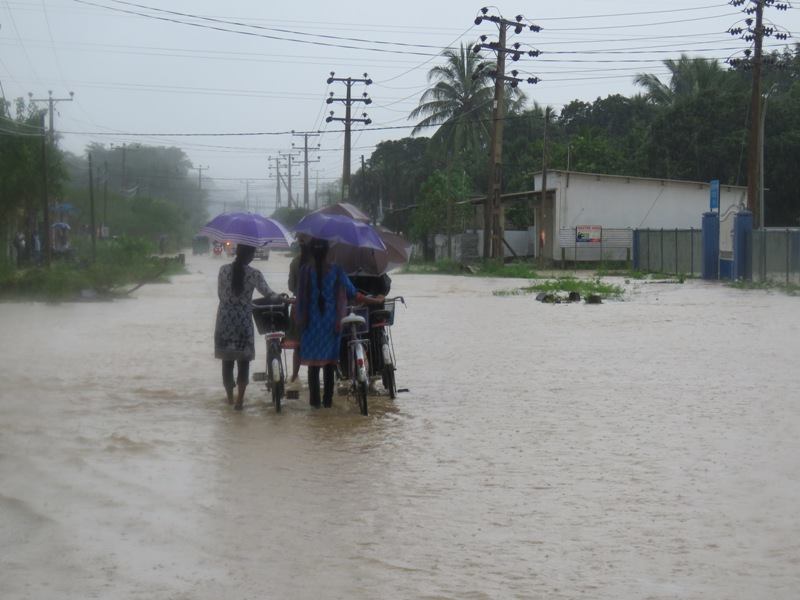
339	229
247	228
366	261
60	225
345	209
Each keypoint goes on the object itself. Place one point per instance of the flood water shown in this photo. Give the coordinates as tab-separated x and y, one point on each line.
639	449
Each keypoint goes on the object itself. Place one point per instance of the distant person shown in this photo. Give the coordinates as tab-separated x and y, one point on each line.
292	339
233	334
323	291
37	248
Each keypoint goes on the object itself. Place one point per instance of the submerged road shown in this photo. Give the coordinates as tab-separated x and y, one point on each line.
639	449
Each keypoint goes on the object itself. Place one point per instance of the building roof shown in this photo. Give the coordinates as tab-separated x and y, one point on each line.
631	177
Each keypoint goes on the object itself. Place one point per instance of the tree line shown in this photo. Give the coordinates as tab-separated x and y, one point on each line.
140	191
691	126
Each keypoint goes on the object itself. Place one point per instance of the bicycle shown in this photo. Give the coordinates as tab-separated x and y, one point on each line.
354	327
271	321
385	362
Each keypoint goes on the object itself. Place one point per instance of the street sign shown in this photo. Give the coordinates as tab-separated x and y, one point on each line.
588	233
714	205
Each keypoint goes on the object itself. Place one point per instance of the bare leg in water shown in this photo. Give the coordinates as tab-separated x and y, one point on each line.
295	365
242	377
240	388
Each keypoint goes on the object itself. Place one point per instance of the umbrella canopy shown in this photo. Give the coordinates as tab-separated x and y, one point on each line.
365	261
247	228
339	229
346	210
61	225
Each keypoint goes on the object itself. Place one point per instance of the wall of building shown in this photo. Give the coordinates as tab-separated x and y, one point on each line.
637	203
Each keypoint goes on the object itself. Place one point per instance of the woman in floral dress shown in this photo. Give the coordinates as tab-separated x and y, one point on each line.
233	334
322	294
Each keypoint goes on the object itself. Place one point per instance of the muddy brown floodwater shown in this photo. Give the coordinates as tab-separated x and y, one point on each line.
639	449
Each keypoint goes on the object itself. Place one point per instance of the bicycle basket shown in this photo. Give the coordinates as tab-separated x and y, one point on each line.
271	317
383	315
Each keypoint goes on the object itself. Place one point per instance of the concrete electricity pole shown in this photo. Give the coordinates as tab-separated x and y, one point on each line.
348	101
305	164
200	169
277	180
754	31
50	105
288	156
493	207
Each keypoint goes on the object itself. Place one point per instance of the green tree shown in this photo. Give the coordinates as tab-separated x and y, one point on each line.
689	77
21	178
441	190
460	103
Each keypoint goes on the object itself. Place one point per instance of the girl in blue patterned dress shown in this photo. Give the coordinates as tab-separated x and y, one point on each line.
323	292
233	334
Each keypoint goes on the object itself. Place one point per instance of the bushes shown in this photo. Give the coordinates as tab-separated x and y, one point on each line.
118	262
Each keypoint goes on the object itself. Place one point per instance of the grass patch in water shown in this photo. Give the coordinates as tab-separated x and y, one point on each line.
120	262
488	268
565	285
791	289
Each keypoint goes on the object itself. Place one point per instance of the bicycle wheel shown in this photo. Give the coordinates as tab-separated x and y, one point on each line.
361	397
276	377
389	382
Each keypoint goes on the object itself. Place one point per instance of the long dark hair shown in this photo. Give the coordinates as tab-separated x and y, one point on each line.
319	252
244	254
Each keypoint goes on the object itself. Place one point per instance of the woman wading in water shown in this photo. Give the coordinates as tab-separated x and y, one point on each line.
322	294
233	334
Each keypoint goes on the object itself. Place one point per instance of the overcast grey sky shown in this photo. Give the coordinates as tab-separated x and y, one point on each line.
133	73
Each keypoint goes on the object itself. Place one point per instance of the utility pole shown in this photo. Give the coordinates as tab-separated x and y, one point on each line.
48	254
493	207
755	117
50	105
305	164
364	198
105	195
277	180
544	165
348	101
91	209
754	31
200	170
288	156
316	191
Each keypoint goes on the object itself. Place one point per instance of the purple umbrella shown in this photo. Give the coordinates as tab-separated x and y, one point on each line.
346	209
247	228
339	229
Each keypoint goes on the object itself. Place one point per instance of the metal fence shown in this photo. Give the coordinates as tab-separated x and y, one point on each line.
678	251
614	244
775	256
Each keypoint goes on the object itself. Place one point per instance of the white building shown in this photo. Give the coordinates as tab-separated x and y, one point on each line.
612	206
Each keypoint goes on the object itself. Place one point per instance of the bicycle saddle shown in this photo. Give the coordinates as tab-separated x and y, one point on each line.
353	318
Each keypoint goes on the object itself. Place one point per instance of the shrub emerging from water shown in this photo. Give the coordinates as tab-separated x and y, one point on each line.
565	285
118	262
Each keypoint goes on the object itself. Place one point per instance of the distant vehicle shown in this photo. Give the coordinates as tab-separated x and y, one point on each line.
200	244
230	248
217	249
262	252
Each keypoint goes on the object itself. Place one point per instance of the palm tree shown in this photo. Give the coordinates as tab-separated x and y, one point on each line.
460	101
688	77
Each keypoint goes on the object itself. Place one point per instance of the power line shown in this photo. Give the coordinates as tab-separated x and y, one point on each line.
251	33
276	29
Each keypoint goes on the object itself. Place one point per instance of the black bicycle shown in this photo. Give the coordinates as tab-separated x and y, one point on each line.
382	348
272	320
